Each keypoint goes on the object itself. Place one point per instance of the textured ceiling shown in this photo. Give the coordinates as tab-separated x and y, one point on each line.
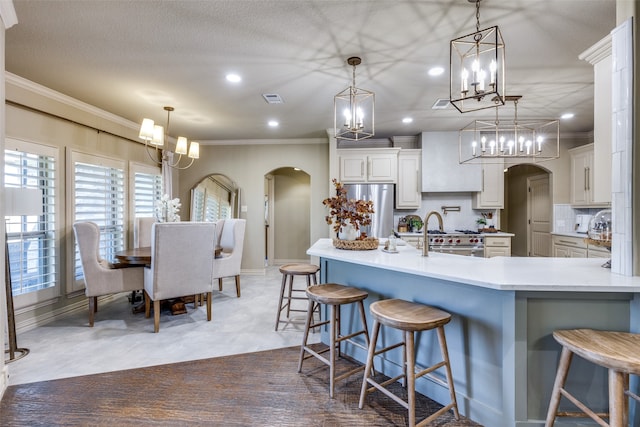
131	58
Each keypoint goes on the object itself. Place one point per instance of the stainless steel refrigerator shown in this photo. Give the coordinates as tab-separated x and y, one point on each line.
382	197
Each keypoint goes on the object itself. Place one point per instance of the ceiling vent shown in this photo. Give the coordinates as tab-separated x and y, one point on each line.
440	104
272	98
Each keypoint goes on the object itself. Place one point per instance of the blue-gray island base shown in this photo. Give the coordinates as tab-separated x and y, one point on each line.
504	310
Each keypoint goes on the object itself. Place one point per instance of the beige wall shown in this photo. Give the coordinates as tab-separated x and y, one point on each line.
247	165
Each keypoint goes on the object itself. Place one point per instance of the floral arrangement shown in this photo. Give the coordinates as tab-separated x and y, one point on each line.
167	209
344	211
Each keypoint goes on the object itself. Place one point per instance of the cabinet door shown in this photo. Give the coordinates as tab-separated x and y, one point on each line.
581	176
492	193
408	194
560	251
382	168
493	251
353	168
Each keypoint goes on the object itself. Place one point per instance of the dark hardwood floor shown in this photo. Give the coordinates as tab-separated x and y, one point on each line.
261	388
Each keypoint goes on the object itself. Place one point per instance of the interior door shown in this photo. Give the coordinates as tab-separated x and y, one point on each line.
539	203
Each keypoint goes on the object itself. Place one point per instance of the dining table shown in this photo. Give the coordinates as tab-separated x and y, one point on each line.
142	256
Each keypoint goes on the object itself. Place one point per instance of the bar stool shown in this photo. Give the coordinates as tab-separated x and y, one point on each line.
335	296
619	352
409	317
287	290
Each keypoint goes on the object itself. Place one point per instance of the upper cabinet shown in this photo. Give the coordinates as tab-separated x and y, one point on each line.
581	175
441	169
492	194
587	169
368	165
408	195
599	181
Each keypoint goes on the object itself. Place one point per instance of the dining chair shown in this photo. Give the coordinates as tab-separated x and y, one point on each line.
142	232
100	276
181	264
231	241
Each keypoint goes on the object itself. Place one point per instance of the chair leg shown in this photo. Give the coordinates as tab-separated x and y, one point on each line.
93	302
410	375
558	385
209	311
196	301
369	368
220	284
156	315
305	336
333	334
282	288
618	401
147	305
445	356
238	285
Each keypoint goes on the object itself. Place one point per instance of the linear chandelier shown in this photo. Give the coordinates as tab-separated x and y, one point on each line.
354	110
154	136
529	140
476	64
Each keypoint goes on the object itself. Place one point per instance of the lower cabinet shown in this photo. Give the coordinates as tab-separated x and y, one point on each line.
497	246
569	247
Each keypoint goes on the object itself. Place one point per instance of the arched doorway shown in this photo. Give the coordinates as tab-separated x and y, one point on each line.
528	210
287	212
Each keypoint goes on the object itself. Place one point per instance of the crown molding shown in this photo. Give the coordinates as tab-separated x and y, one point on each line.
292	141
53	95
598	51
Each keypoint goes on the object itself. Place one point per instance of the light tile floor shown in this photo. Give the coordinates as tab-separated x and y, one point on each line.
122	340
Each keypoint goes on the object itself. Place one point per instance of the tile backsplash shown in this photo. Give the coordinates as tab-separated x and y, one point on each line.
564	217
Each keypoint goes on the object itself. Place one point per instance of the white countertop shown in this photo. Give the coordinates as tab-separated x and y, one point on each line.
502	273
569	234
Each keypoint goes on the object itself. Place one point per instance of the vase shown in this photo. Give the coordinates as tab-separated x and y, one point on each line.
348	232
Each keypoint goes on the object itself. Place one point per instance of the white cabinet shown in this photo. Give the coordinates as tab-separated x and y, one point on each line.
408	195
596	252
491	195
441	168
599	55
581	175
359	165
497	246
569	247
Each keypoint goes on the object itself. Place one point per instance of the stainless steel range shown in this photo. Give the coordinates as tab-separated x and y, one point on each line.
460	242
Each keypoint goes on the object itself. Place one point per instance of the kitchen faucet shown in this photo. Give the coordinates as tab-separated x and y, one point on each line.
425	245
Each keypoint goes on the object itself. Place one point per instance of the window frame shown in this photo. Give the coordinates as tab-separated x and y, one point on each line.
76	286
53	293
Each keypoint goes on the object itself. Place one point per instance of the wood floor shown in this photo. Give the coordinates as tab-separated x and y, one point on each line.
248	389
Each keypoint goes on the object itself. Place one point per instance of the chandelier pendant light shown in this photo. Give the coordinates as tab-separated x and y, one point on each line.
522	141
476	64
354	110
154	137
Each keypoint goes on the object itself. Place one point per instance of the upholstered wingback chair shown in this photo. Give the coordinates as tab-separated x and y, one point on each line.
181	264
231	241
142	232
100	276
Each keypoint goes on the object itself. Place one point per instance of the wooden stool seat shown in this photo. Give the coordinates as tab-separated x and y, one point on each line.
288	292
619	352
333	295
409	317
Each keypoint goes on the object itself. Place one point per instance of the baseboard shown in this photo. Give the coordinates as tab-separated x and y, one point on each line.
4	380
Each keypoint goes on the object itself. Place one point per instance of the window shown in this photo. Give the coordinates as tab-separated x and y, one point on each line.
99	196
147	190
31	238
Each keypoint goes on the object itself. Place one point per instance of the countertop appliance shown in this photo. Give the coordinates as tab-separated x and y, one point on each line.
459	242
382	196
582	223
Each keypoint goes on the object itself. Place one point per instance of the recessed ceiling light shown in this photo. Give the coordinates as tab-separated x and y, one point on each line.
273	123
234	78
407	120
436	71
567	116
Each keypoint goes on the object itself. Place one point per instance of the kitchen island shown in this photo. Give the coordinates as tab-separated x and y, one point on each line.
504	312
